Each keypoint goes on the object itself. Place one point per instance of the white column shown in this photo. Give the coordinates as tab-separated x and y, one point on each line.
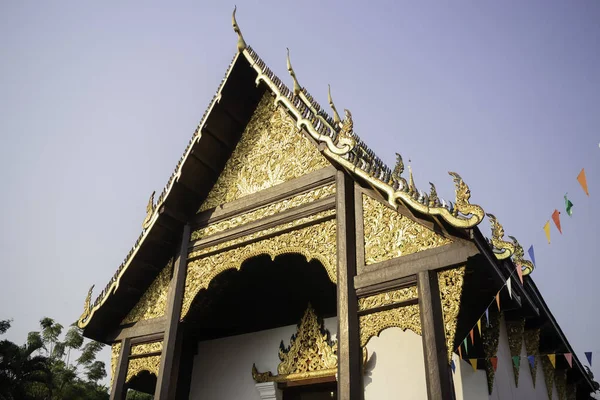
269	391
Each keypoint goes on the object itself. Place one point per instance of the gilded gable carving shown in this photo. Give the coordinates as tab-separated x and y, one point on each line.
153	302
389	234
451	283
271	151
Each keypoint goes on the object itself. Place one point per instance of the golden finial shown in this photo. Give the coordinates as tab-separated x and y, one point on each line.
241	44
411	182
149	211
336	116
297	87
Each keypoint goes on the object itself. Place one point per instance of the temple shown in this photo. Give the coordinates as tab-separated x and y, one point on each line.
285	260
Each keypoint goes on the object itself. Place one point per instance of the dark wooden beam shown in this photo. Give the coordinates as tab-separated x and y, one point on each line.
350	385
119	390
166	382
397	268
400	283
140	328
437	371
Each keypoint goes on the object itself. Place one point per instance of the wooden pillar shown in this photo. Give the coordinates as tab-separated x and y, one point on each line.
437	371
169	359
349	352
119	389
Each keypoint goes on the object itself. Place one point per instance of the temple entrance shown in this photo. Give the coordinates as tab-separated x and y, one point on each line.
247	320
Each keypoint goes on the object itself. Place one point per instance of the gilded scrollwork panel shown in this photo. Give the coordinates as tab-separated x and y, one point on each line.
388	234
153	302
316	241
406	317
145	348
266	211
386	298
451	285
532	346
514	332
114	358
271	151
137	365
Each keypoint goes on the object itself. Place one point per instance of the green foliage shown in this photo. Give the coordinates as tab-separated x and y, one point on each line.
134	395
41	369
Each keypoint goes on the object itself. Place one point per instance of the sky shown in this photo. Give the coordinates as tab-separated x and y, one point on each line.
99	99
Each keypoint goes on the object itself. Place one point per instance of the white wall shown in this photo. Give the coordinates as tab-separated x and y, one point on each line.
222	367
396	366
471	385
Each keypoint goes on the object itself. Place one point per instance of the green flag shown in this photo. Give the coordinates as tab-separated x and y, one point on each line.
568	205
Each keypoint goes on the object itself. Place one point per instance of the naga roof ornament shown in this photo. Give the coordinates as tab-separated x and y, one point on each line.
241	44
149	211
525	265
297	87
502	248
87	305
336	116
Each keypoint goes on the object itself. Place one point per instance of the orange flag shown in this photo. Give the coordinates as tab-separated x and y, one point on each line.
582	181
498	300
473	362
472	337
556	219
494	361
569	358
547	230
552	358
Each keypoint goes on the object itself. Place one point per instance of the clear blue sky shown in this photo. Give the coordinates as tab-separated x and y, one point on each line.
99	99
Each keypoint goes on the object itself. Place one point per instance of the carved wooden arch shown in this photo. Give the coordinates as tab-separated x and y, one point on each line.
315	242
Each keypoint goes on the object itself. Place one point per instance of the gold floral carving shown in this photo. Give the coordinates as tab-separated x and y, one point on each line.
532	346
311	353
389	234
272	150
146	348
150	364
514	332
406	317
314	242
491	338
267	211
548	375
114	358
391	297
451	286
560	380
153	302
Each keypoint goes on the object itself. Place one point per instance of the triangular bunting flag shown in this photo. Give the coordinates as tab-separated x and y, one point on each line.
547	230
556	219
569	358
460	352
466	348
520	273
531	254
498	300
494	361
552	358
588	355
531	361
516	361
509	287
472	337
568	206
582	181
487	317
453	366
479	326
473	362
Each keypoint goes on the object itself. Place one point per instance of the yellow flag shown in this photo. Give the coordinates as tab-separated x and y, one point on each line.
547	230
479	326
473	362
552	358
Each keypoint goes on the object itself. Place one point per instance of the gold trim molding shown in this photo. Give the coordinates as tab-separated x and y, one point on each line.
146	348
451	283
311	353
316	241
264	212
386	298
388	234
137	365
406	317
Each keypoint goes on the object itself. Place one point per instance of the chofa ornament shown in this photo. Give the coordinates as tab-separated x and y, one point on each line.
502	248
